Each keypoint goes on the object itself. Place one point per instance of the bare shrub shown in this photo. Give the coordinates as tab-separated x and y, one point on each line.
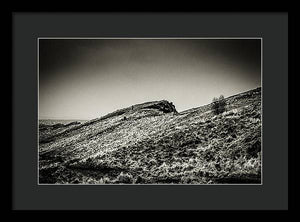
219	105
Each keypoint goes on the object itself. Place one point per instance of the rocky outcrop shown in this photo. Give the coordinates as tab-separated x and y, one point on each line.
163	105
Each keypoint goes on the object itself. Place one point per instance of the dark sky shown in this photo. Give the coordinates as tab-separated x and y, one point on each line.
88	78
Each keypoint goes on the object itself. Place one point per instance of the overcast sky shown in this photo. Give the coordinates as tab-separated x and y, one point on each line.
88	78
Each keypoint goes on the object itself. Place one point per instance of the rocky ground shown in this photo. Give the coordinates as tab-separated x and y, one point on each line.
151	143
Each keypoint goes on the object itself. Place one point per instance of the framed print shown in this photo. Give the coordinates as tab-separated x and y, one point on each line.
147	140
150	111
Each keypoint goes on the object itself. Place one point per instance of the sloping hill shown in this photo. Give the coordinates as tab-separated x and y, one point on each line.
153	143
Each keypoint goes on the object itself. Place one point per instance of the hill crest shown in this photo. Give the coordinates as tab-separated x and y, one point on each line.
153	143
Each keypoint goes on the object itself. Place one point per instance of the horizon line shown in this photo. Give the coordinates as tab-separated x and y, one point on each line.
51	118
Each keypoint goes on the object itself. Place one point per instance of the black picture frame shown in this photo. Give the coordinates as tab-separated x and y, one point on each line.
272	27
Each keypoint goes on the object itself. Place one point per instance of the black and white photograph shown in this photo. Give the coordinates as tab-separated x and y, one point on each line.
150	111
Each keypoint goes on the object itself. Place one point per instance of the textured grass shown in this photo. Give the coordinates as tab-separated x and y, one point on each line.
152	143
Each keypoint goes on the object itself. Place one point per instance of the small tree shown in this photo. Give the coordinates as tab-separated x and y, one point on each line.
218	105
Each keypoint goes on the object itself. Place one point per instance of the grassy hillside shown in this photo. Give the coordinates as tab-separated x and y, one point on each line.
153	143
